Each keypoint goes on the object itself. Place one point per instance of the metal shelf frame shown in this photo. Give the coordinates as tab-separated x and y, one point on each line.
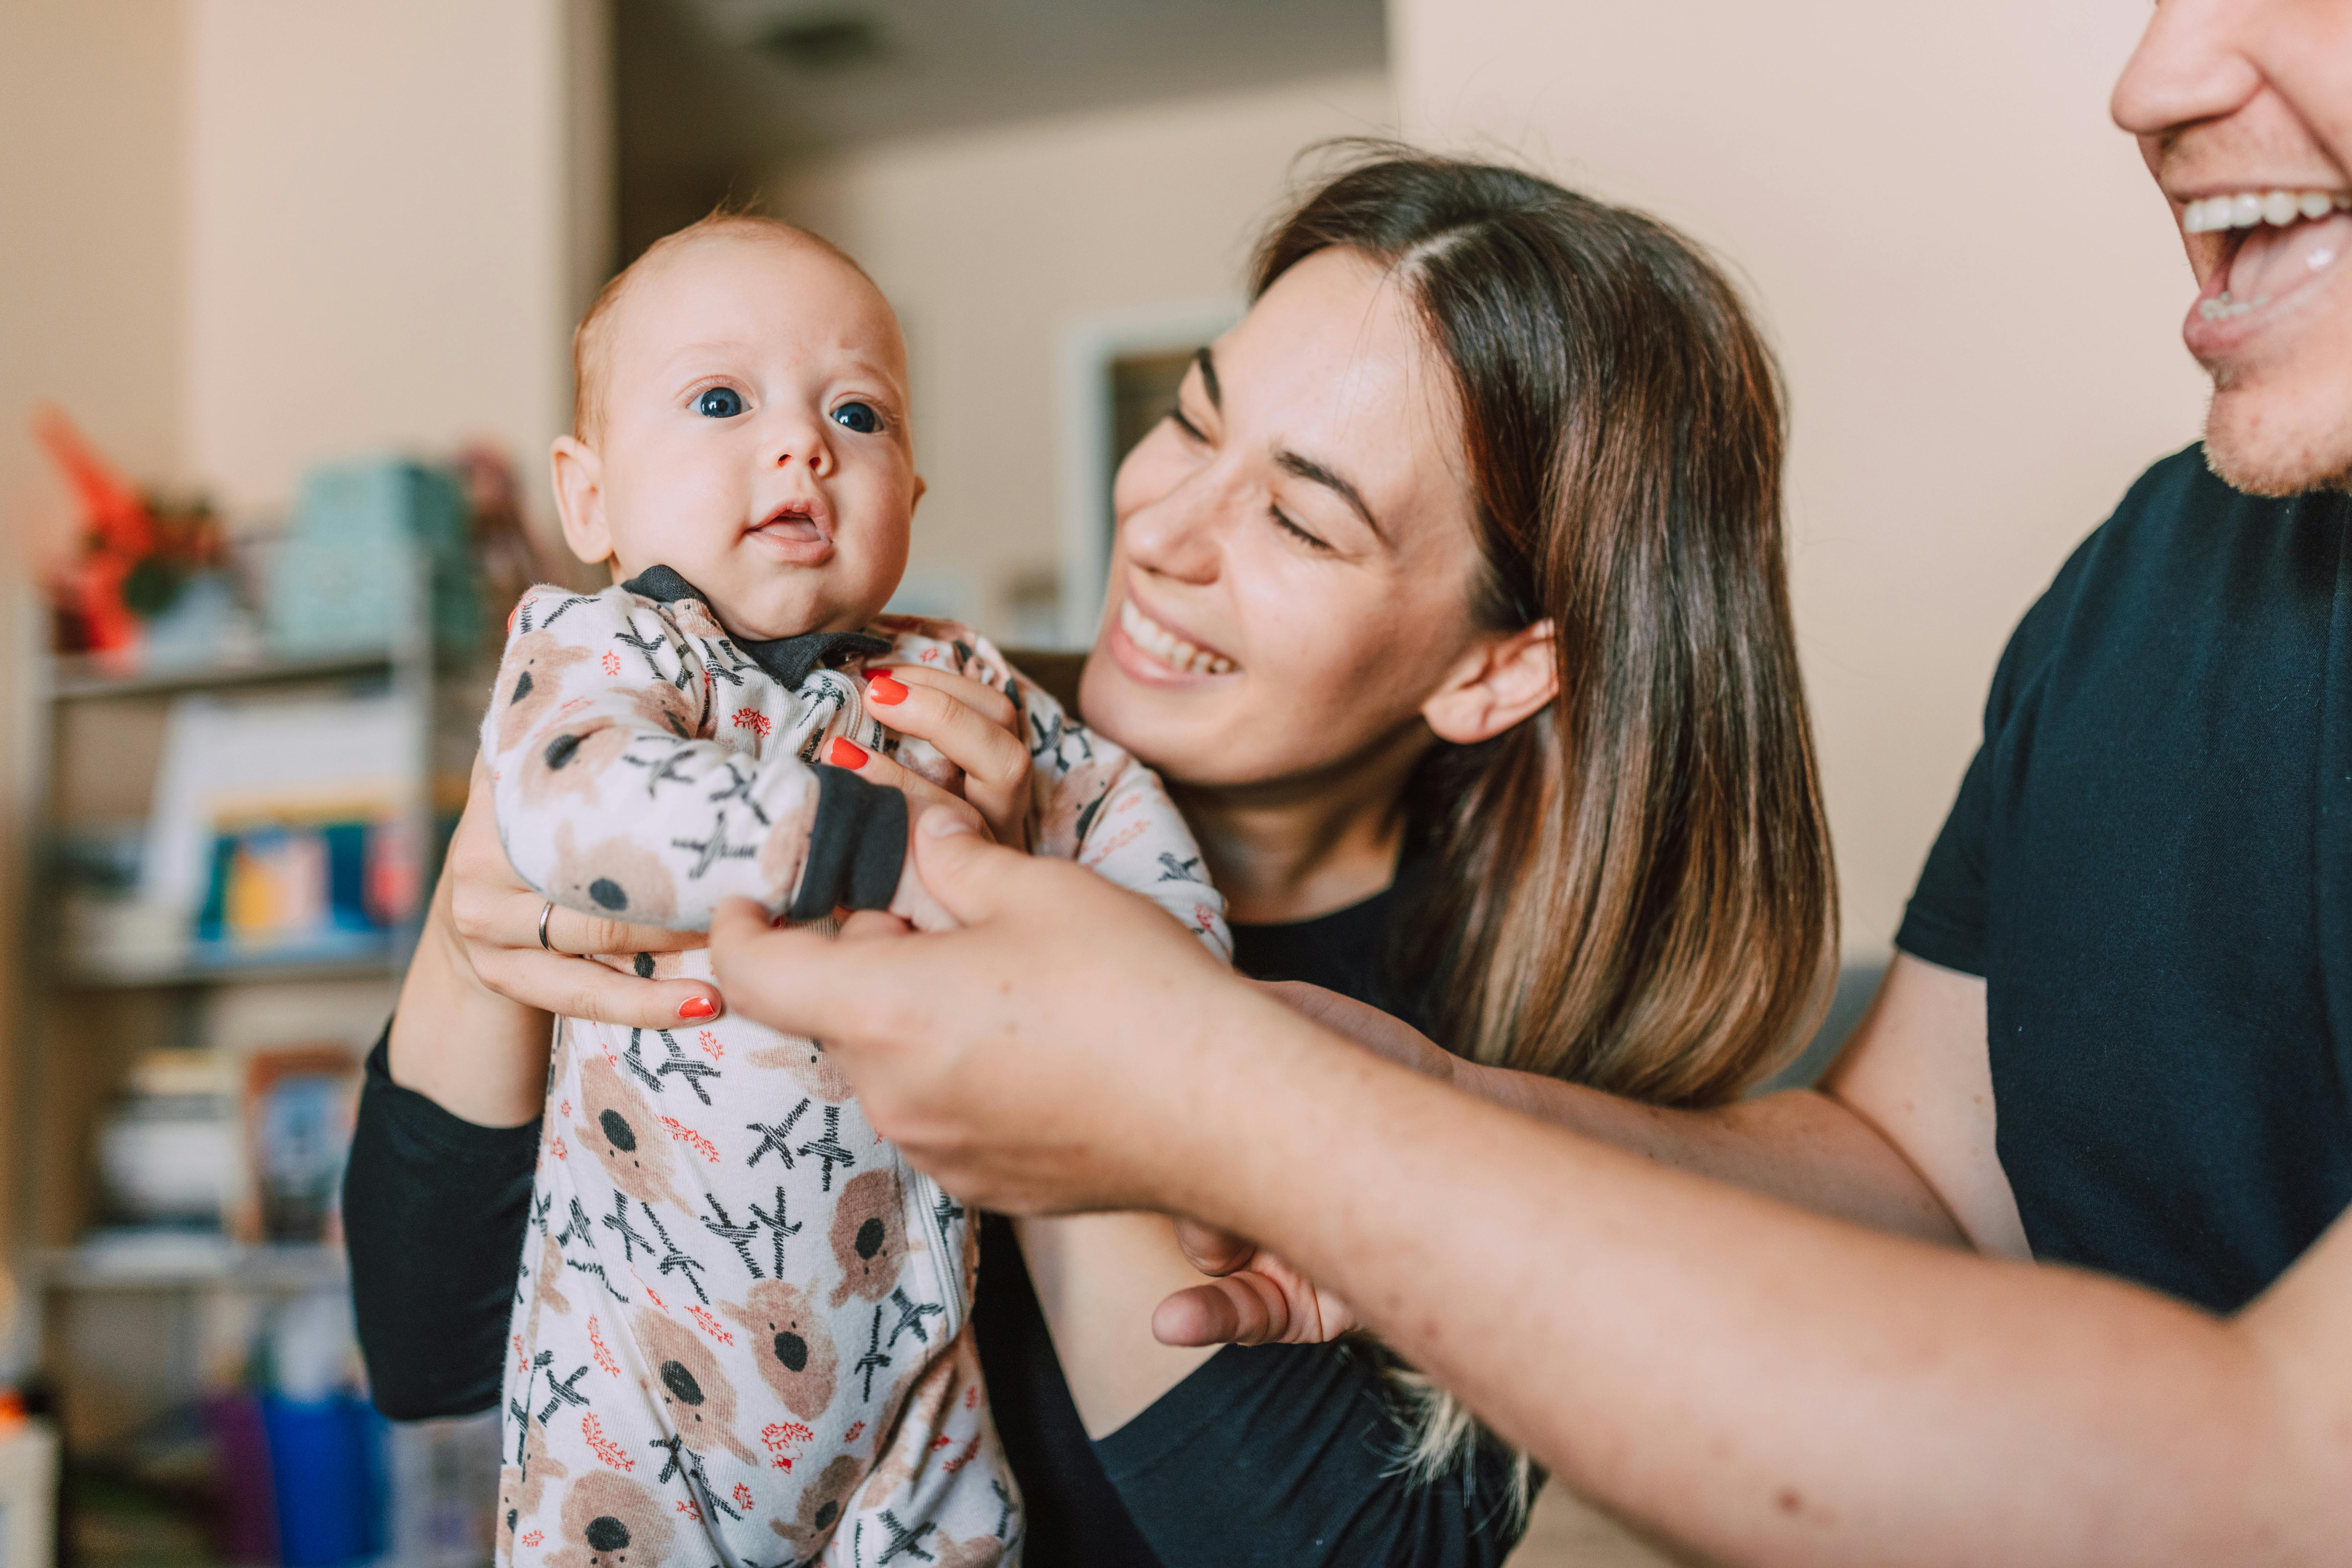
48	1204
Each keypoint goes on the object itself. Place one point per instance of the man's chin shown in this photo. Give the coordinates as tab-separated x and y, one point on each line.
2270	446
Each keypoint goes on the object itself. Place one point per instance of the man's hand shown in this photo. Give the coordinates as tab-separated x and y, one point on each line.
1260	1298
1034	1062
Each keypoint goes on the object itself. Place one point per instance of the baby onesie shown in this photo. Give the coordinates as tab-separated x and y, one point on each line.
741	1332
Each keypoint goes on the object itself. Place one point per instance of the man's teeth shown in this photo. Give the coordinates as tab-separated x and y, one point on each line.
2247	208
1166	646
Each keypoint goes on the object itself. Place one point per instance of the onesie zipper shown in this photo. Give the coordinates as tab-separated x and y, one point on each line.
929	1210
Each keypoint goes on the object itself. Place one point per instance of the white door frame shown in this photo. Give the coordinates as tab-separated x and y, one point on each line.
1090	344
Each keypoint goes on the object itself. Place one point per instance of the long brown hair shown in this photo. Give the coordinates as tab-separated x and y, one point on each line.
1632	888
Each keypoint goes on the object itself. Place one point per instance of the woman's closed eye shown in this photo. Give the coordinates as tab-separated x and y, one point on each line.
1176	416
862	417
1283	521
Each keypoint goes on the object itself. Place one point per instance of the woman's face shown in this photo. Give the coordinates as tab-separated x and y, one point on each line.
1294	558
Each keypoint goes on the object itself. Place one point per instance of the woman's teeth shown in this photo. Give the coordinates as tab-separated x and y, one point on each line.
2248	208
1166	646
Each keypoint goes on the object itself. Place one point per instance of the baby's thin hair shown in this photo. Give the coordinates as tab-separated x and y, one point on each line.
589	339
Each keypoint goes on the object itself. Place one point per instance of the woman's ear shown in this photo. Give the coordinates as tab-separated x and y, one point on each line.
1498	683
580	498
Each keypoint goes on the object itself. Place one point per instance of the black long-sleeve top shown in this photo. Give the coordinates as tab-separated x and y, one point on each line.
1275	1455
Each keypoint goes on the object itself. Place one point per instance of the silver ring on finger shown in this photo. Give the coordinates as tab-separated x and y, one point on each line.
544	915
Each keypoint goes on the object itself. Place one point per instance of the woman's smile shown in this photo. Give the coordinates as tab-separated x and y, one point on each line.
1151	651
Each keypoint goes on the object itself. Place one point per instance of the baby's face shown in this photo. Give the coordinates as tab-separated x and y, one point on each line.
754	437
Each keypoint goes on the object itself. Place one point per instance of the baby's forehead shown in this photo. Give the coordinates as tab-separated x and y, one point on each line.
744	283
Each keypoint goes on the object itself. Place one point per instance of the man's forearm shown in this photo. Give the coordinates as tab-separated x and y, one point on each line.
1759	1384
1799	1145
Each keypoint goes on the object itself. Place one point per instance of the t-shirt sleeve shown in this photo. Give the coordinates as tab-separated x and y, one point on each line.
1948	919
434	1208
1288	1455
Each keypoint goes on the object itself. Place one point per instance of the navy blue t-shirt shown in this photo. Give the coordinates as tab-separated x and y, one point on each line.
2150	863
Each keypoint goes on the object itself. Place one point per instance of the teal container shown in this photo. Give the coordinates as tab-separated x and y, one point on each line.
346	572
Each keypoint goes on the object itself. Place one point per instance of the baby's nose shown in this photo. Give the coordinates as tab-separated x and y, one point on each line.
811	451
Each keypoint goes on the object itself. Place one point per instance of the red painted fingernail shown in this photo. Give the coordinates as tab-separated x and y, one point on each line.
697	1008
887	691
846	753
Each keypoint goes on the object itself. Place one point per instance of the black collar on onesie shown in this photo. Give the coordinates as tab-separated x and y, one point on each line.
789	659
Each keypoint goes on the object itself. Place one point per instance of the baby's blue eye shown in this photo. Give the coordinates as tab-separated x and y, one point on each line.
720	402
858	416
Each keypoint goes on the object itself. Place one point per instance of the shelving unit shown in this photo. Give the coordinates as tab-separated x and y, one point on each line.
125	1331
286	1268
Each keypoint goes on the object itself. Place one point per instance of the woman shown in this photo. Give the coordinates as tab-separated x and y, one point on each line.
1450	596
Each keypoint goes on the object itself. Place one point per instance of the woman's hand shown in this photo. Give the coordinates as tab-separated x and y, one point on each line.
471	1030
492	925
1260	1298
974	726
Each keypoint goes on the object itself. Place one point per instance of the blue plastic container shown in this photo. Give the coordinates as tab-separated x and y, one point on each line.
326	1461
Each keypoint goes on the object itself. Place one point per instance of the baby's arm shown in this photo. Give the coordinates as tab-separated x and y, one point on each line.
612	798
1097	804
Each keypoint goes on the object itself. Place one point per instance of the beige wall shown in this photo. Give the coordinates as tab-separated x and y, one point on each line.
91	245
394	217
1972	284
239	236
992	245
92	237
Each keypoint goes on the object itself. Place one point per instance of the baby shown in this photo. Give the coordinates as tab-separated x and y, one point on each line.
741	1332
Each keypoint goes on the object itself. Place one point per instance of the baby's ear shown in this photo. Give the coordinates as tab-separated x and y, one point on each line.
579	477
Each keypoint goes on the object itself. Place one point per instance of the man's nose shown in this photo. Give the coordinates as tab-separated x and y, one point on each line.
2191	65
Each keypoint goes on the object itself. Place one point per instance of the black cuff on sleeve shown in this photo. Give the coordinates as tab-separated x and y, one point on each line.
435	1211
857	846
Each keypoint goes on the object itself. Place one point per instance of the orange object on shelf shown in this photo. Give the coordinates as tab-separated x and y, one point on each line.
120	533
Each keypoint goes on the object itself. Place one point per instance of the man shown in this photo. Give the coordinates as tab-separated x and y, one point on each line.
2118	1034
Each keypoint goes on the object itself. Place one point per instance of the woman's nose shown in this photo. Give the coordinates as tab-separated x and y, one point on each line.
1178	534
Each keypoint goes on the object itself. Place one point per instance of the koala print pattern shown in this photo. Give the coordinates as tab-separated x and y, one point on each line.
741	1324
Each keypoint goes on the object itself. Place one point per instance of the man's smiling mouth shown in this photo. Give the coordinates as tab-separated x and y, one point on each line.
2278	241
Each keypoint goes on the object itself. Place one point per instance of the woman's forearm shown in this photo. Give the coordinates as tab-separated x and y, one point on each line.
1806	1147
1097	1278
460	1044
1799	1145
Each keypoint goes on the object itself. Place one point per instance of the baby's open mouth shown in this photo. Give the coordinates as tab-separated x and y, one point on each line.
2278	242
793	522
1166	647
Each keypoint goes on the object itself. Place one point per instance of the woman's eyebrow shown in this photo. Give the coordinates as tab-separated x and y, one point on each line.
1307	468
1202	358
